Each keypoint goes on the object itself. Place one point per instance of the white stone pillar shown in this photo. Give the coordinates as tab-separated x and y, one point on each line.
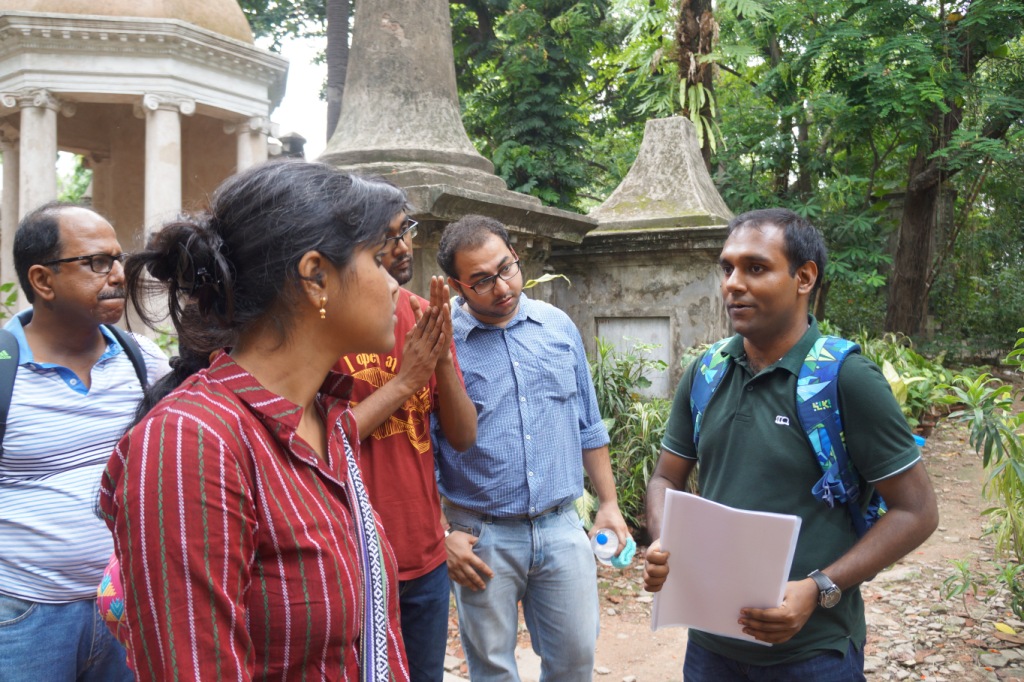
37	167
10	215
251	140
163	156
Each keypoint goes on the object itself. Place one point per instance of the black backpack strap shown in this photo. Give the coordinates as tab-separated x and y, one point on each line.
8	371
131	347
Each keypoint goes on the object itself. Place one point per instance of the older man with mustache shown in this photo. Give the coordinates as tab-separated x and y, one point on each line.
74	393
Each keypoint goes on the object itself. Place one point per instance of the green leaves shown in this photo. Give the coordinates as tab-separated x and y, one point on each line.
635	424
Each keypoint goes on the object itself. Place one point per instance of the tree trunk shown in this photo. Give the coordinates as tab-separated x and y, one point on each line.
338	13
696	31
908	301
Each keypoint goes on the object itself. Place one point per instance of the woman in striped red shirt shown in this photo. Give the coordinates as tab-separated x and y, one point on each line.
247	545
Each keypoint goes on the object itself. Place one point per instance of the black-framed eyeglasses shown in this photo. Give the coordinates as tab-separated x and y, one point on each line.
485	285
408	230
100	263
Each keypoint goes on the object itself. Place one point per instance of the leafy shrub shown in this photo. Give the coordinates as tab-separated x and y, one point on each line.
919	384
986	405
635	423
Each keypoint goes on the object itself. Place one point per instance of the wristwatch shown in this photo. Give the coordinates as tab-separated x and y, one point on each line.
828	593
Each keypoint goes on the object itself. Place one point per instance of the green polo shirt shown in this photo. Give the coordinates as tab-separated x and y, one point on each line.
754	454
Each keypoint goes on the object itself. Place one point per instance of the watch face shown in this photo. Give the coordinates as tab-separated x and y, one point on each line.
830	597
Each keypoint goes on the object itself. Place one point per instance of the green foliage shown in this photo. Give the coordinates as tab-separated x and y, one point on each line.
8	299
919	384
997	433
72	187
522	69
981	297
279	19
635	424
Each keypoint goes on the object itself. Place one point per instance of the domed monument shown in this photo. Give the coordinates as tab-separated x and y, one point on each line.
163	98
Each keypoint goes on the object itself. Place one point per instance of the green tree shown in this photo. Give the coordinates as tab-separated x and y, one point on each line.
523	69
841	106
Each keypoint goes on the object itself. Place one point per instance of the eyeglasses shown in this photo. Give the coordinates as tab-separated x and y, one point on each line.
485	285
100	263
408	229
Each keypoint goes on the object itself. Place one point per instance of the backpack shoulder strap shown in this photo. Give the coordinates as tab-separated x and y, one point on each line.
131	347
709	375
9	355
817	406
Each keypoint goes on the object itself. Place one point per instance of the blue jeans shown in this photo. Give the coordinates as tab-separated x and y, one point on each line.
424	602
702	665
58	642
545	562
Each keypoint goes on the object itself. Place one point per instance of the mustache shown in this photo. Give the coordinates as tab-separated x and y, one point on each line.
113	293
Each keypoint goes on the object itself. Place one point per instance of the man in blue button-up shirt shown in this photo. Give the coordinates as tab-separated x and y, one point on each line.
514	534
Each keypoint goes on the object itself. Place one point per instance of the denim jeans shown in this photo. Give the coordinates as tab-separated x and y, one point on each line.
424	602
545	562
702	665
58	642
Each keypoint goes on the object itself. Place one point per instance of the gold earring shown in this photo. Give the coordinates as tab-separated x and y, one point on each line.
323	307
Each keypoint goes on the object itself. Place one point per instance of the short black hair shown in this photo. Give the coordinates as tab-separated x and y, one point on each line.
37	240
802	241
468	232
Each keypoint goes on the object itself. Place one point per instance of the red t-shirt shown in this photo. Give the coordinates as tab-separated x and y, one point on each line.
397	459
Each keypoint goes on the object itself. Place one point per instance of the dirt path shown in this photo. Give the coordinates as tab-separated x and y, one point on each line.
913	633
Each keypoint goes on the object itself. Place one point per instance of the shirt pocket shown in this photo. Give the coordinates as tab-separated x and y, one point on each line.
555	377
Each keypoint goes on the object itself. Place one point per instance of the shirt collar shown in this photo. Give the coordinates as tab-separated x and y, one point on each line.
271	408
16	326
793	360
464	322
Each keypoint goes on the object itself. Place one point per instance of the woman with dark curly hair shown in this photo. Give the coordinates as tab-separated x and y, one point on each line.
247	544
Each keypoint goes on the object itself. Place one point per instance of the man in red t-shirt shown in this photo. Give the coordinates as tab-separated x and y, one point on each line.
393	398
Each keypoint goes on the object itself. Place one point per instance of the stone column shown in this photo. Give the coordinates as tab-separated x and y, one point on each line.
37	167
251	136
9	148
163	156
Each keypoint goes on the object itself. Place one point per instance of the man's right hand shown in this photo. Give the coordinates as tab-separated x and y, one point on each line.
655	567
424	344
465	567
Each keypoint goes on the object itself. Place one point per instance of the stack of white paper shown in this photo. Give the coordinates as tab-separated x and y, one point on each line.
722	559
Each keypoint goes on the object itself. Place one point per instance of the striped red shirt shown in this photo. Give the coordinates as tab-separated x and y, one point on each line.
238	546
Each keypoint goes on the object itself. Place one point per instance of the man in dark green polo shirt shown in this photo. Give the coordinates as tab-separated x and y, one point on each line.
754	454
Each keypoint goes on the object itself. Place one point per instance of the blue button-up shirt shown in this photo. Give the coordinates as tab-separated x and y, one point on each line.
536	413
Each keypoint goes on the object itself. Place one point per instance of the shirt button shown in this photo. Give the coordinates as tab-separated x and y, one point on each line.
73	382
522	398
530	474
527	436
533	509
750	388
515	364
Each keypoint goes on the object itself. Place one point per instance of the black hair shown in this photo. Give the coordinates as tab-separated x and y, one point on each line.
802	241
468	232
238	261
189	360
37	240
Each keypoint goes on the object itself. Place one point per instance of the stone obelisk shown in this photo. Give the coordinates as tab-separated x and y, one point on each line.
400	119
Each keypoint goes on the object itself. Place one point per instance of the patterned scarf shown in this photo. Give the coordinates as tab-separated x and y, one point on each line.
373	649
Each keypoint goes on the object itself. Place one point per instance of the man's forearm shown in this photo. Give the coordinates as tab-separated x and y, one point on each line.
655	504
670	473
912	517
375	409
456	411
598	465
